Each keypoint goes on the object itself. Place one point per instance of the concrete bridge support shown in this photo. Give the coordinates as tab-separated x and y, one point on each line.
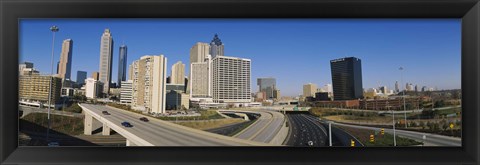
87	130
129	143
105	130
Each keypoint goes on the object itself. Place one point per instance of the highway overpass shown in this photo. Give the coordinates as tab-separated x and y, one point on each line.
155	132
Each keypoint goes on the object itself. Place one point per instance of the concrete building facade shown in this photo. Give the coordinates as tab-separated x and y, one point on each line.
309	90
178	73
231	80
35	88
149	84
93	88
126	92
201	79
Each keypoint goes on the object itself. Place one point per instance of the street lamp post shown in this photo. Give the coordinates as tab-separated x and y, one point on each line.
404	106
393	123
53	29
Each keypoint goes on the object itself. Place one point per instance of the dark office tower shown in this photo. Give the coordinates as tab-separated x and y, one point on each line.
58	65
216	47
81	76
347	78
122	65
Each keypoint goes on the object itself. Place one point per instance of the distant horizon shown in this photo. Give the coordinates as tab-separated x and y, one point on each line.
293	51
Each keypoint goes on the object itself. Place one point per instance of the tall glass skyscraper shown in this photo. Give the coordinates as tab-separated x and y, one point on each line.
347	78
105	68
81	76
216	47
122	65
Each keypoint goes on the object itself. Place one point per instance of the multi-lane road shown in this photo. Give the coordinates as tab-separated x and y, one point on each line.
163	133
305	128
430	139
264	129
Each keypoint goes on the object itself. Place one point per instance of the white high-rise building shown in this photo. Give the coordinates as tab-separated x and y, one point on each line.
126	92
231	80
178	73
309	90
201	79
149	83
93	88
106	52
65	65
198	53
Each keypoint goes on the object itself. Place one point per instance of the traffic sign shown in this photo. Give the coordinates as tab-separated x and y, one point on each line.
451	125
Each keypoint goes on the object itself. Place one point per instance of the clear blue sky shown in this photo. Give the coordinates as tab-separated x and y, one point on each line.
294	51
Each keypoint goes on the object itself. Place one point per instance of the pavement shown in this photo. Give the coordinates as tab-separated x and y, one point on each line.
306	128
265	128
163	133
430	139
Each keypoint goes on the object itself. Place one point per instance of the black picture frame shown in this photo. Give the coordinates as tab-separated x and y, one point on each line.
11	11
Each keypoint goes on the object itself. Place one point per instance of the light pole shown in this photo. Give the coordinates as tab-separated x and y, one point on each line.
393	123
404	106
53	29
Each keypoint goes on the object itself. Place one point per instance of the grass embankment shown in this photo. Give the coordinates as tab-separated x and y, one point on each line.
427	121
210	124
363	135
204	114
75	108
38	122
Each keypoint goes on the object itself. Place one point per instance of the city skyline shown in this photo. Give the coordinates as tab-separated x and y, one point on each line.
378	52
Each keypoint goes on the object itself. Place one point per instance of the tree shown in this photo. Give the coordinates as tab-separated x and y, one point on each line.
422	124
439	103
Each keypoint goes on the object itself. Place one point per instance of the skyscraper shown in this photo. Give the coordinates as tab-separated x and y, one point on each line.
96	76
81	76
267	85
347	78
397	89
198	53
231	80
178	73
65	65
309	90
122	65
105	68
216	47
201	79
149	83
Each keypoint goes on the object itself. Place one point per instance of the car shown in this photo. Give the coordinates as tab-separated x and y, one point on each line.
144	119
310	143
53	144
105	113
126	124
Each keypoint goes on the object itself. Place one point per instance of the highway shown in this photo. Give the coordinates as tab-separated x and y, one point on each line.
163	133
431	139
306	128
264	129
303	130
